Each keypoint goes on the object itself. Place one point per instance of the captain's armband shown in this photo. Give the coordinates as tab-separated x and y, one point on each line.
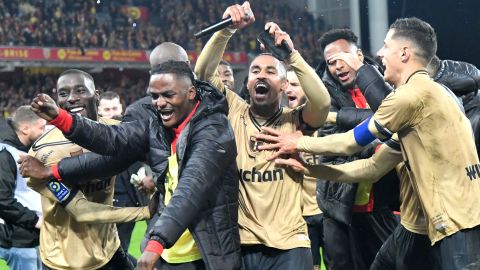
362	134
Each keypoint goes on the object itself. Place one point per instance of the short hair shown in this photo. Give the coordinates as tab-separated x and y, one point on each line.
336	34
224	63
23	114
109	95
77	71
418	32
433	66
283	68
179	68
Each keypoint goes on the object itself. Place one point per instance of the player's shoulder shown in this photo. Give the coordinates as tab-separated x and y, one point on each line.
108	121
53	137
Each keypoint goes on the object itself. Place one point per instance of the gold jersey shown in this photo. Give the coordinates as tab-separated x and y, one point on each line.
64	242
439	152
270	199
270	211
309	188
411	212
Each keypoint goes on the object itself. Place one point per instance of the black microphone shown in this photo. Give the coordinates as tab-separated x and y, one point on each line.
220	25
214	28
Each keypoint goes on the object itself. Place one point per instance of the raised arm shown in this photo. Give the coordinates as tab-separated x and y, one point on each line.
211	55
318	100
126	138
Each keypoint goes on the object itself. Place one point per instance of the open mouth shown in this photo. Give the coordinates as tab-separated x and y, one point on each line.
291	98
76	110
166	114
343	76
261	88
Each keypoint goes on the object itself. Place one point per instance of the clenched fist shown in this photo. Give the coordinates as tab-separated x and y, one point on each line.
45	107
34	168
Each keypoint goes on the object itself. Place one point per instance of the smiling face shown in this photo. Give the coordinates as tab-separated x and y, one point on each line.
76	94
266	80
294	91
173	96
339	70
226	75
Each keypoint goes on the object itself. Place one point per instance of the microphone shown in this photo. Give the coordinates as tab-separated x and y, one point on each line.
214	28
219	26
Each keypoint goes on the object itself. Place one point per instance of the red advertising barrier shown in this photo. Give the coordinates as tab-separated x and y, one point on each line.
96	55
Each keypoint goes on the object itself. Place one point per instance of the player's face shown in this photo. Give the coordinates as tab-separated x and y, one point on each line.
391	54
173	96
226	75
339	70
266	81
109	108
294	91
36	129
77	95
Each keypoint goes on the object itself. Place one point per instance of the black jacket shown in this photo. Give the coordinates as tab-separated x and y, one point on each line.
206	198
19	228
336	199
471	103
461	77
464	80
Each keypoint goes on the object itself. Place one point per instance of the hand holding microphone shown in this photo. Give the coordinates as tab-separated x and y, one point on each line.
237	16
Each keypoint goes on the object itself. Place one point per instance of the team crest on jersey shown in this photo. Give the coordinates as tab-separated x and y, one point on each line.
254	144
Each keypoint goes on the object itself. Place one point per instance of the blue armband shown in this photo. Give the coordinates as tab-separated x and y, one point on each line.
362	134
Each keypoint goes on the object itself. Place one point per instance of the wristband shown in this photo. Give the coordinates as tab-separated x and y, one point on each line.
63	121
155	247
55	172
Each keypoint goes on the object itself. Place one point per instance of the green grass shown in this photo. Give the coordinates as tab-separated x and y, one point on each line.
135	241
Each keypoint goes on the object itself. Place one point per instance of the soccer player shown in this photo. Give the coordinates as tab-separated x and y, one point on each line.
436	142
272	230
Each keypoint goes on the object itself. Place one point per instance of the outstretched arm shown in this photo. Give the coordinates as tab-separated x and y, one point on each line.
84	211
361	170
76	170
126	138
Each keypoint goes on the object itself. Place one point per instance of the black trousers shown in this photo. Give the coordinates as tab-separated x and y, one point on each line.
405	250
315	233
460	250
354	247
259	257
119	261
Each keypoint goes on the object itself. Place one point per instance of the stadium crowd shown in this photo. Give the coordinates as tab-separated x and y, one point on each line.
104	24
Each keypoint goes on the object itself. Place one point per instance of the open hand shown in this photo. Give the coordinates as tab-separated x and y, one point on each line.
351	59
34	168
293	162
283	143
279	35
45	107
